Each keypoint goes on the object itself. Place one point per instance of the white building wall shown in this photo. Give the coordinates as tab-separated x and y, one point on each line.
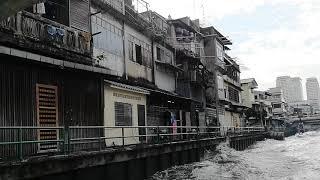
112	95
247	95
165	80
291	87
296	89
283	83
313	93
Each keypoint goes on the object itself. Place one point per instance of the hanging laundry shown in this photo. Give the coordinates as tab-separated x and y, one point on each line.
174	123
51	32
39	8
60	34
87	38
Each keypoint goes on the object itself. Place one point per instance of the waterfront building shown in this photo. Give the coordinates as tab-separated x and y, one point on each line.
247	94
279	105
225	73
302	108
47	75
110	63
262	105
313	93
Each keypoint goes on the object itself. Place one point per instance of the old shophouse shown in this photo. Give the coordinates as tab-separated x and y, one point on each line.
226	96
48	77
111	63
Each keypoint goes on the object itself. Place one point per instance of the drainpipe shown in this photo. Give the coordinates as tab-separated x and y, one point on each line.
215	79
153	62
124	51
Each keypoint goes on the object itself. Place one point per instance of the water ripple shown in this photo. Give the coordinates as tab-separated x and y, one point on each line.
293	159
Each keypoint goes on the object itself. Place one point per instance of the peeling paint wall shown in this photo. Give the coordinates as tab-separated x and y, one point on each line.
108	44
134	69
165	78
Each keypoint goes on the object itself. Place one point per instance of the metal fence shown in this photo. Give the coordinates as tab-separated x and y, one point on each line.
24	142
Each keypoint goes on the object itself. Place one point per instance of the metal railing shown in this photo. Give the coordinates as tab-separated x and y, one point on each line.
24	142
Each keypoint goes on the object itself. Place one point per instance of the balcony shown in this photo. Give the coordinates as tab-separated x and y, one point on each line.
193	50
231	81
40	35
195	77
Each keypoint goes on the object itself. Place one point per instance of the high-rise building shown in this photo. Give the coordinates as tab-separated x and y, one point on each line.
283	82
296	91
291	87
313	93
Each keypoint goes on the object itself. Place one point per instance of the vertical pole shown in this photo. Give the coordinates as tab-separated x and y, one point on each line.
20	144
158	134
68	139
198	133
122	132
100	134
261	111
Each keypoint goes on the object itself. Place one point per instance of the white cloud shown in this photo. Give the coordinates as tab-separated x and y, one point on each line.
291	48
215	9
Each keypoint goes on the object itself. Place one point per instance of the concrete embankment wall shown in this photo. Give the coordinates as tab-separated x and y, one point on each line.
127	163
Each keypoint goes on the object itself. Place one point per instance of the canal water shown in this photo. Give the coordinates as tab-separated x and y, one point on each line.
293	159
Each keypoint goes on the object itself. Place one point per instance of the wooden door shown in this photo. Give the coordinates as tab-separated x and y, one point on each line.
142	121
47	116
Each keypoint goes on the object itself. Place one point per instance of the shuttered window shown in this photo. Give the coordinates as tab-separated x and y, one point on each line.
47	116
79	14
123	114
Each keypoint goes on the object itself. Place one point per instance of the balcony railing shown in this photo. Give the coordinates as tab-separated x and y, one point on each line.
36	29
116	4
231	81
192	49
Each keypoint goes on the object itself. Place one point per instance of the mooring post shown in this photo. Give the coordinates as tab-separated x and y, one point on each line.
20	144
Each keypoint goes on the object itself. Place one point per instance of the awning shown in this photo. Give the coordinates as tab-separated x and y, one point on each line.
125	87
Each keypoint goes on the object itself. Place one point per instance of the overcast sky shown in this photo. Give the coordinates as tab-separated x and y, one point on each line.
271	37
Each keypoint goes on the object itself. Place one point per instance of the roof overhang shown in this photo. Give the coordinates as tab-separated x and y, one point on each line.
125	87
167	65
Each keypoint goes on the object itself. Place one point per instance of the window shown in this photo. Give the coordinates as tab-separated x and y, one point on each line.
158	54
123	114
234	95
131	51
138	54
219	51
277	106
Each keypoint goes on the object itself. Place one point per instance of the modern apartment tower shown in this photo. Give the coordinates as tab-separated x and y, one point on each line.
291	87
283	82
296	89
313	93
